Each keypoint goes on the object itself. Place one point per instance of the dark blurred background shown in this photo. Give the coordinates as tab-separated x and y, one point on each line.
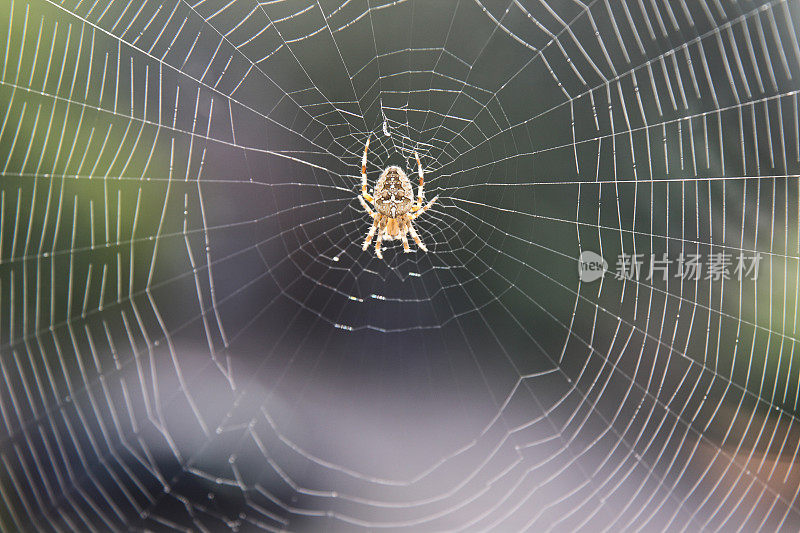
191	337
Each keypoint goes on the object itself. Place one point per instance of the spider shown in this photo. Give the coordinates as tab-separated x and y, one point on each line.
395	206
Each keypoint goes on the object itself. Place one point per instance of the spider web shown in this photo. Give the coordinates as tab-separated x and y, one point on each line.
193	339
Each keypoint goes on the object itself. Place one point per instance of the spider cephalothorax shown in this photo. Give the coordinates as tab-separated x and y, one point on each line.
395	206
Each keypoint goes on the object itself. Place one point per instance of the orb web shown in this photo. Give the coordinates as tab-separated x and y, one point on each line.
193	339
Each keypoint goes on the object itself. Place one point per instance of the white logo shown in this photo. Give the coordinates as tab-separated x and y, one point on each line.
591	266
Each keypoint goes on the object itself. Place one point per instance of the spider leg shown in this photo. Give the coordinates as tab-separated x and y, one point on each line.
364	174
421	179
416	237
421	210
366	207
375	223
404	236
378	243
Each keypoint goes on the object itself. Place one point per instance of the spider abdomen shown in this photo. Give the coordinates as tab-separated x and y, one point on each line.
394	195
